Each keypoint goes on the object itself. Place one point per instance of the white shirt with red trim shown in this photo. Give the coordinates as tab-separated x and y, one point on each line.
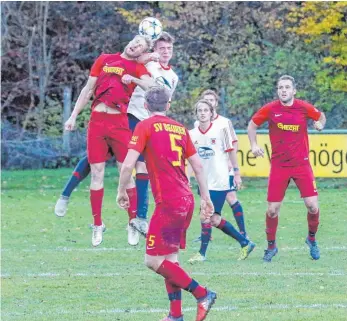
164	76
223	122
213	146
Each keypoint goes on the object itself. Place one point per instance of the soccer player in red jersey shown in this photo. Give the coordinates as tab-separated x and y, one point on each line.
113	78
166	145
287	118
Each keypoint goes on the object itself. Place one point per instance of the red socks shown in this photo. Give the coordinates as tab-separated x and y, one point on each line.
132	210
271	229
313	222
177	276
96	197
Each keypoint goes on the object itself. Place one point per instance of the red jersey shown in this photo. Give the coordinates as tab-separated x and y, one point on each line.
109	68
166	145
288	130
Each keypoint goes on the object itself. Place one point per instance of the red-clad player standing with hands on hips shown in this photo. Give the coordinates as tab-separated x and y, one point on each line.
287	119
166	145
112	80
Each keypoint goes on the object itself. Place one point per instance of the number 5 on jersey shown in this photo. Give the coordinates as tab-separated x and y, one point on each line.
176	148
151	241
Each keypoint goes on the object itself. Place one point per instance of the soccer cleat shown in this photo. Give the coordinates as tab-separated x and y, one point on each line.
60	208
205	304
133	236
269	254
198	257
246	250
171	318
139	224
97	234
314	249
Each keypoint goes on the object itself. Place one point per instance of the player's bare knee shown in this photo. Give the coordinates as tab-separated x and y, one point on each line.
312	208
215	220
153	262
231	198
97	176
272	212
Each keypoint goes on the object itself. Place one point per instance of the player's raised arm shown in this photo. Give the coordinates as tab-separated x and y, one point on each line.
147	57
145	82
82	101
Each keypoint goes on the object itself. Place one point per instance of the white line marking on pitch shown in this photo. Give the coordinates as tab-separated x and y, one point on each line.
114	274
139	249
215	309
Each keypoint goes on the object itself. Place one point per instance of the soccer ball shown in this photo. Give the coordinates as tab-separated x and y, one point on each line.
150	27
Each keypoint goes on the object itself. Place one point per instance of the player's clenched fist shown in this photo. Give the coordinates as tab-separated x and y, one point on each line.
127	79
257	151
206	210
123	200
70	124
318	125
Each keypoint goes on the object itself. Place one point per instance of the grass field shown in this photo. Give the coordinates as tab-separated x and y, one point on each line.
51	272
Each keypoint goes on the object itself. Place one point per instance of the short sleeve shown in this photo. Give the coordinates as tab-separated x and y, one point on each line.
141	70
139	139
227	139
262	115
97	66
175	82
232	132
190	148
312	112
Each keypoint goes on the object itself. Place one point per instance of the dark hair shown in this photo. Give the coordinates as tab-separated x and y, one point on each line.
157	98
287	77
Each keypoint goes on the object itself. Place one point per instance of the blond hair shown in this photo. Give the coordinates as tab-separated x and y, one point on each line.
148	40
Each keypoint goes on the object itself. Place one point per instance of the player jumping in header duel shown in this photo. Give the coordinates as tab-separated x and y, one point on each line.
287	118
112	79
162	72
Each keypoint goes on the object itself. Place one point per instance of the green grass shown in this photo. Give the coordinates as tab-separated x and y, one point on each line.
51	272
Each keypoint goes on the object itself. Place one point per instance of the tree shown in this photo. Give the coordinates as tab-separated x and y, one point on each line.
323	25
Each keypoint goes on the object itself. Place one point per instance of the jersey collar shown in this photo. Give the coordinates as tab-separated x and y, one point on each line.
165	68
204	132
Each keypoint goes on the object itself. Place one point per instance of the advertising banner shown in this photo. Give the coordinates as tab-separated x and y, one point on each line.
328	155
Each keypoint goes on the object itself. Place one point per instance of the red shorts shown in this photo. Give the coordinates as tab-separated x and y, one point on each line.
107	131
168	226
280	177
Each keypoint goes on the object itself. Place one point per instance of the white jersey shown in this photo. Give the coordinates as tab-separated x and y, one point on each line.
223	122
213	147
163	76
